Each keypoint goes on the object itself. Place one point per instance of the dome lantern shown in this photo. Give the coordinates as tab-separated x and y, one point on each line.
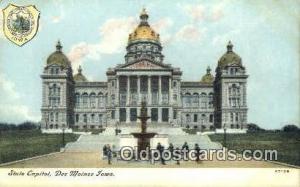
229	58
208	78
143	31
144	18
229	46
58	46
79	77
58	57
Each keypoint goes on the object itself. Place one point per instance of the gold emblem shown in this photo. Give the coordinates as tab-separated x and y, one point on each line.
20	23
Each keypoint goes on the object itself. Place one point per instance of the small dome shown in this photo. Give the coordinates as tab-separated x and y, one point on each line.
58	57
208	78
79	77
143	31
229	57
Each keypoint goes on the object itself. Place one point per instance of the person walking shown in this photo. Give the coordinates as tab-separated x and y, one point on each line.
104	150
109	155
160	149
197	149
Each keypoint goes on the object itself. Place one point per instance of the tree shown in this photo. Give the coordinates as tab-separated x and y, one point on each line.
252	127
290	128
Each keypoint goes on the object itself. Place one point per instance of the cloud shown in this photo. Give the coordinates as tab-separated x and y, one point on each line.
200	12
196	12
61	15
189	33
11	108
220	40
162	27
113	36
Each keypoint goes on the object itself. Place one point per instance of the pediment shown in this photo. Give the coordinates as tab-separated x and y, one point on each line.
144	64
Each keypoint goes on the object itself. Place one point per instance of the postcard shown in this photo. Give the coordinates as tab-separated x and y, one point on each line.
149	93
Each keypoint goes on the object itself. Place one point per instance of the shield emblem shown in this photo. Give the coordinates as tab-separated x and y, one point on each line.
20	23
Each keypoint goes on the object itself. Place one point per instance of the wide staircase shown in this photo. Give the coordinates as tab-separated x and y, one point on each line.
95	143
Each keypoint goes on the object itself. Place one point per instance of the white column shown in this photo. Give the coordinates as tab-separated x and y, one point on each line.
62	94
170	114
127	115
159	114
170	90
149	114
117	92
138	114
128	91
159	90
117	114
139	89
149	90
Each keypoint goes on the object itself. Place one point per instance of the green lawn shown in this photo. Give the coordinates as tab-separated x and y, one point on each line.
19	144
287	144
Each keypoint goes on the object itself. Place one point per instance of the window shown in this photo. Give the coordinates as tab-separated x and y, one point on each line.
93	100
85	100
113	114
84	118
54	95
56	116
195	117
231	117
175	114
92	118
77	118
175	97
51	117
188	118
211	118
77	100
174	84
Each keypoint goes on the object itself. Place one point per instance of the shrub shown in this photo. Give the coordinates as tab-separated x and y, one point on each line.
290	128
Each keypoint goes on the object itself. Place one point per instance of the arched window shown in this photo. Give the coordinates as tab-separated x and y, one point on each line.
188	118
77	100
203	99
100	100
85	100
195	99
187	99
210	100
93	100
54	95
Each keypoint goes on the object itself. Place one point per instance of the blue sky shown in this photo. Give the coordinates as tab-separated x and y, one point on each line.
194	35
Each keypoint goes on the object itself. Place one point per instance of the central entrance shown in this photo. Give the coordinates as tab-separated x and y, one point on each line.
154	114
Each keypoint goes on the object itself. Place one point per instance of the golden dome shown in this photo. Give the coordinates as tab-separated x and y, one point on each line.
208	78
79	77
58	57
229	57
143	31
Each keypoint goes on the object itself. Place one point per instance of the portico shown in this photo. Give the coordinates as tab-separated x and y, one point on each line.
155	89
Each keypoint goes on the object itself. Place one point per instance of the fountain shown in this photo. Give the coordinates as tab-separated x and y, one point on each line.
143	137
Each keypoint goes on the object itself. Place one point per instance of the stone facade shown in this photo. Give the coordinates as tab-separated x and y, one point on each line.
74	102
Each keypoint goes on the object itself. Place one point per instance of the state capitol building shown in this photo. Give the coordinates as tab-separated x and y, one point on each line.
218	100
